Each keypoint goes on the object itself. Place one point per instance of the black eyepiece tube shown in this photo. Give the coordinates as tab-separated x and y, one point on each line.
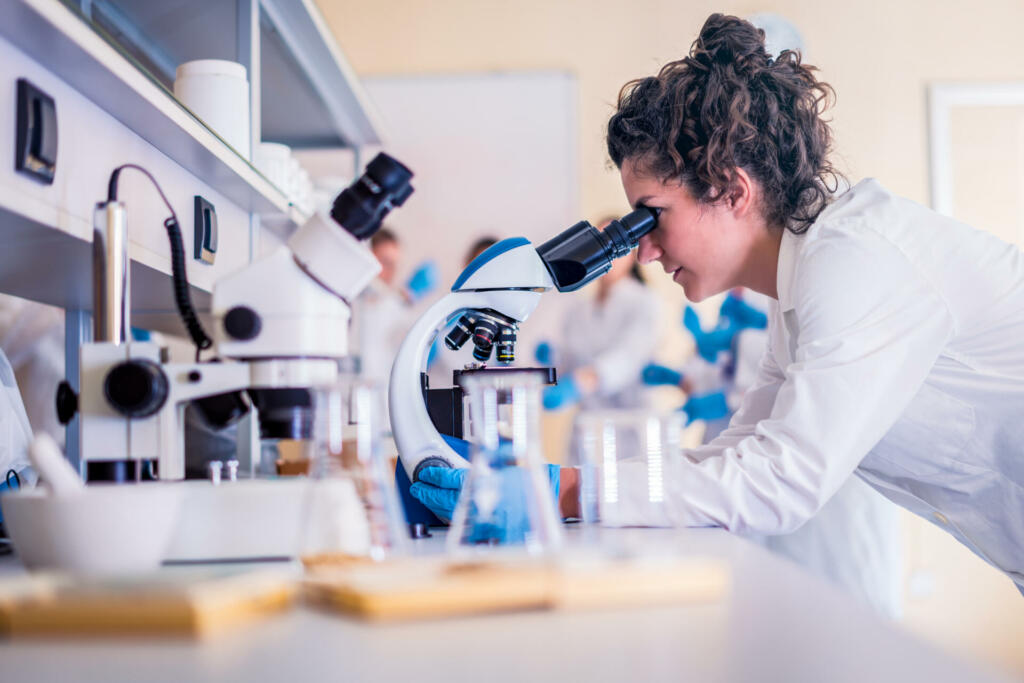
362	206
583	253
626	232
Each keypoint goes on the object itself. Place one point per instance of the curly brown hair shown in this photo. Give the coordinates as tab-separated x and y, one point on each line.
729	105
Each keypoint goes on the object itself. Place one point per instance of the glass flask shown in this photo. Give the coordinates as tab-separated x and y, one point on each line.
507	498
352	508
626	460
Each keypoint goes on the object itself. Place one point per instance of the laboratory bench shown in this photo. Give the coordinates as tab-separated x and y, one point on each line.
777	623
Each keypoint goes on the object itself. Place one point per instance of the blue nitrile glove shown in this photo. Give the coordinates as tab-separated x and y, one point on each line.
439	487
657	375
709	344
743	315
423	280
561	395
141	335
543	353
706	407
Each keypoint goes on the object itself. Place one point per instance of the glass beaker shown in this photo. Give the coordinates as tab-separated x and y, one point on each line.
507	498
626	460
352	506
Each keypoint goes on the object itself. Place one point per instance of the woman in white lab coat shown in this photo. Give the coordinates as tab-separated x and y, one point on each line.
895	339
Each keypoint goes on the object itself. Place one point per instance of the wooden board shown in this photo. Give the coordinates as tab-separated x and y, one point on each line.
179	601
428	587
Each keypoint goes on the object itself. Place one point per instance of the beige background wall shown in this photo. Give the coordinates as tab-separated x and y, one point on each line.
879	56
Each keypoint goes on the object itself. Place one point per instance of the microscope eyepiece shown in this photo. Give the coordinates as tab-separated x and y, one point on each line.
583	253
361	206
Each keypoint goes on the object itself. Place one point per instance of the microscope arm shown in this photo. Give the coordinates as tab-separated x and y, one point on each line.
418	441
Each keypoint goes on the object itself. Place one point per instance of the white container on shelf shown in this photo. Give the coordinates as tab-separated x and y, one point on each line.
217	91
274	160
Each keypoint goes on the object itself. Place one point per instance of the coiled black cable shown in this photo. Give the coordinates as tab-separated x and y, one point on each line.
178	275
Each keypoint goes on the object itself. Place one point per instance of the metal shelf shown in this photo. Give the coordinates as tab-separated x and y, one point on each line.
305	64
54	36
310	95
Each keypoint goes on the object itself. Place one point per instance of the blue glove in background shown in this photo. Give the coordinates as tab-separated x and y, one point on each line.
706	407
657	375
561	395
423	280
743	315
709	344
439	487
12	483
543	353
435	348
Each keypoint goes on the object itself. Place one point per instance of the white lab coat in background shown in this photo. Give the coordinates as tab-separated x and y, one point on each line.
380	319
894	352
32	336
15	431
617	338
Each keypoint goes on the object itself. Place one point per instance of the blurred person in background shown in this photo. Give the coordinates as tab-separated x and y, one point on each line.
605	339
32	336
384	311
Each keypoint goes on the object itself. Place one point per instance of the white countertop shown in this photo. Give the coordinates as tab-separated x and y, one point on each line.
778	624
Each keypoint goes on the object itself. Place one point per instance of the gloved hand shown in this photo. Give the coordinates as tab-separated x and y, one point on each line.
706	407
423	280
543	353
658	375
439	487
742	314
709	344
561	395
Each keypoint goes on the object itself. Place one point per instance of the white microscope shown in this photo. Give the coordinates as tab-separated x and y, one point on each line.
281	326
498	290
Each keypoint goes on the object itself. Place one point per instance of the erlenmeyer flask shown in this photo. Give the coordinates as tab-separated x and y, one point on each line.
507	499
352	507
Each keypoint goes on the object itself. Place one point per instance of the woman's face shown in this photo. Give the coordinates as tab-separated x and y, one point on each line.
702	246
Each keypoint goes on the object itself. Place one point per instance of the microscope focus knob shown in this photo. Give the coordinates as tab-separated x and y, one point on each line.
67	402
242	323
136	388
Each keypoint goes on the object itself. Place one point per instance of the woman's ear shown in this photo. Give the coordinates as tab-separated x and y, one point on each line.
740	195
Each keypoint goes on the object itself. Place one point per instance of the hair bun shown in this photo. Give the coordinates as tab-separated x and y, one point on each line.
727	40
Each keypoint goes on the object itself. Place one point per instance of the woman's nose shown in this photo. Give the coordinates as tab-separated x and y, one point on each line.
647	251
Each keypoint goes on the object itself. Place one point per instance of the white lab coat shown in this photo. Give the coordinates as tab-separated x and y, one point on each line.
32	336
380	320
616	337
15	431
894	352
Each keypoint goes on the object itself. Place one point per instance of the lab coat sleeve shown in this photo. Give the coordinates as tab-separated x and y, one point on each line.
865	330
620	366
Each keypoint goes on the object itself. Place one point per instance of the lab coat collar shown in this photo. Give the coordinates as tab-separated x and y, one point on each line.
789	249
